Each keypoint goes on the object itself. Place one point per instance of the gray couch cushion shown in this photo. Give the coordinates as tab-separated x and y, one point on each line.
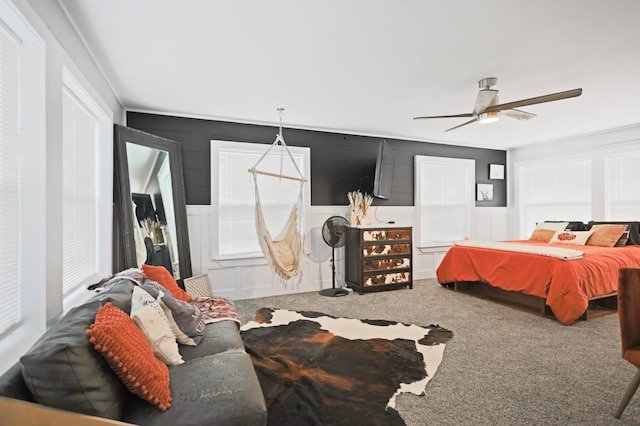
63	370
220	389
12	384
218	337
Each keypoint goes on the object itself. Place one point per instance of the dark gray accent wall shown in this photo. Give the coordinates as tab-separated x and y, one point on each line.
340	163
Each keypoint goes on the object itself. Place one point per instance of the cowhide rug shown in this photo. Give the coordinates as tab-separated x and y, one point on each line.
316	369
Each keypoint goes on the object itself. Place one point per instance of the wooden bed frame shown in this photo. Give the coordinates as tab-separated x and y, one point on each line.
599	307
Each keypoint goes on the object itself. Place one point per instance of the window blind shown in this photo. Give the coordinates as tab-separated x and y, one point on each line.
235	193
11	158
560	191
444	189
622	190
80	194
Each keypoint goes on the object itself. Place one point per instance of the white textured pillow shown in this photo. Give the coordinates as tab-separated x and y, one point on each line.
555	226
151	319
140	298
153	323
578	238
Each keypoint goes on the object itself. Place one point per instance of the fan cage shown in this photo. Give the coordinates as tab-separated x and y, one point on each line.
331	236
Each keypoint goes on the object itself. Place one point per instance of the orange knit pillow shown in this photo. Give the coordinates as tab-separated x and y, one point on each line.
160	275
129	355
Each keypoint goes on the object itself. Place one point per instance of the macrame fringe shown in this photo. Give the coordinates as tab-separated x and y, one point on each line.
286	253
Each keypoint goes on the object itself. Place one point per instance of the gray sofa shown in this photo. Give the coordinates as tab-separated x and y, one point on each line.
217	384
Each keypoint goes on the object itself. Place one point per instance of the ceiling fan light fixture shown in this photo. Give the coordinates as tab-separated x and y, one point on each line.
487	99
489	117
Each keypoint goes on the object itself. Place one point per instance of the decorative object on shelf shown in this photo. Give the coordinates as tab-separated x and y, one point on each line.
335	232
359	204
496	171
485	192
355	205
364	217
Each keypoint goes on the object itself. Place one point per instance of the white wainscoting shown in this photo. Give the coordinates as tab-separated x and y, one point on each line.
250	278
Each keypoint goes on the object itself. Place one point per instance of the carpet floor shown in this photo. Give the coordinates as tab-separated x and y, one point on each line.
503	366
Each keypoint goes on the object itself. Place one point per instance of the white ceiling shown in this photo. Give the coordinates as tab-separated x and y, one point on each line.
370	66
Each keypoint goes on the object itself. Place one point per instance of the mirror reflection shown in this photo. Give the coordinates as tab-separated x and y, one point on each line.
154	224
150	203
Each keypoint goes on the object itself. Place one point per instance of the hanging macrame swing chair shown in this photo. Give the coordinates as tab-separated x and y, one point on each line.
286	252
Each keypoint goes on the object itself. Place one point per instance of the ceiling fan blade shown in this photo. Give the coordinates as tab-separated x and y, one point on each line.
445	116
518	114
463	124
537	100
485	96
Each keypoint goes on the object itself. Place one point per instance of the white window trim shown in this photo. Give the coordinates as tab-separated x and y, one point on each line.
33	216
421	160
250	258
104	186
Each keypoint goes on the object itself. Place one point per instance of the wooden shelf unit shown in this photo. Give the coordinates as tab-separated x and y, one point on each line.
379	258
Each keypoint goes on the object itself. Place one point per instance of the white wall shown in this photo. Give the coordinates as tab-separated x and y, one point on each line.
596	146
63	50
251	278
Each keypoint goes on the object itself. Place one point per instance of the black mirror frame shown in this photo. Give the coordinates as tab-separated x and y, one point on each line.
123	196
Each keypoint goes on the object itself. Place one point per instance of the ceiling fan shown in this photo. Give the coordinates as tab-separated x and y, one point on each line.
488	110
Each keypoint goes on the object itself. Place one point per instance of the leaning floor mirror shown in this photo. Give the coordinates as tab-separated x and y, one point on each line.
151	204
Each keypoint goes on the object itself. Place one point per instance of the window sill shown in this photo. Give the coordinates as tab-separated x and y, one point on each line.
238	256
79	295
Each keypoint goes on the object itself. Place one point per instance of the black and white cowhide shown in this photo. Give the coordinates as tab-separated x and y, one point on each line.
316	369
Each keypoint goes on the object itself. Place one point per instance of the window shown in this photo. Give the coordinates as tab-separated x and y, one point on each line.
22	184
86	206
559	191
622	193
233	194
11	154
444	199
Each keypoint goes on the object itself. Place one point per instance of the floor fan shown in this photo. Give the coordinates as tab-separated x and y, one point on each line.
335	232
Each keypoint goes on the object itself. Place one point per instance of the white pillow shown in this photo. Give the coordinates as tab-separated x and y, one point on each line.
153	323
578	238
151	319
140	298
555	226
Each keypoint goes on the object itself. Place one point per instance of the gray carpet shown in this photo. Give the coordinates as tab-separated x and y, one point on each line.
502	367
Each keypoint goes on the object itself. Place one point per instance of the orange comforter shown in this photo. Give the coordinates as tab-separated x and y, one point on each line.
567	285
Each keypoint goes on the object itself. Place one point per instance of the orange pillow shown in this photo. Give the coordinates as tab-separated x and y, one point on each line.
160	275
129	355
606	235
542	235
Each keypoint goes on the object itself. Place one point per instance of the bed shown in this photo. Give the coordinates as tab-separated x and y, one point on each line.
521	274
